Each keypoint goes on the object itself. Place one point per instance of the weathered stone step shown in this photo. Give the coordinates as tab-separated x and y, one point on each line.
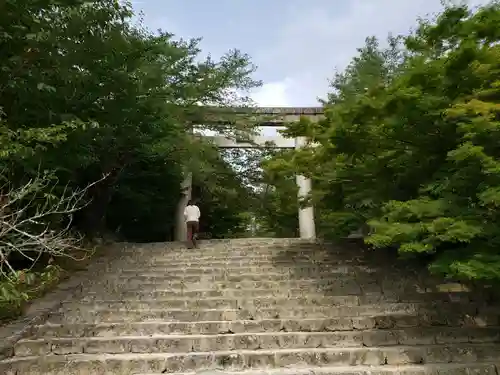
225	242
399	323
218	303
178	258
144	258
350	285
243	252
327	286
124	315
240	326
174	261
234	248
232	278
78	314
158	271
147	302
284	258
266	247
175	343
130	363
371	298
441	369
286	264
222	293
281	257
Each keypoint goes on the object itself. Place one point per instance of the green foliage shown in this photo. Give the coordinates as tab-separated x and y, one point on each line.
223	191
96	108
409	144
276	210
117	98
19	287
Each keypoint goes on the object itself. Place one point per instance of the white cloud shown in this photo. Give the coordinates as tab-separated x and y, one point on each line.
316	40
273	94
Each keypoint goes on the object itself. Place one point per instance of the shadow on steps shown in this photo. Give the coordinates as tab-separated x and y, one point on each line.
379	277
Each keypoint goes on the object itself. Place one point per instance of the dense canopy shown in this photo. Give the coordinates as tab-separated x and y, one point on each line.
96	116
409	150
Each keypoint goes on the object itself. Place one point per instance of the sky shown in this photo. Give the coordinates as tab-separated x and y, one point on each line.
296	44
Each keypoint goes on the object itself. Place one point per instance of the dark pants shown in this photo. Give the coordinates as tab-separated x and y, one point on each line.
192	229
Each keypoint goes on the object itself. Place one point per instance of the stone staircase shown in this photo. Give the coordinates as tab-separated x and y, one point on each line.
263	307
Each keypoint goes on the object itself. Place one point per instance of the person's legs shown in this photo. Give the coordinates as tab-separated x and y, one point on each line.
194	233
189	226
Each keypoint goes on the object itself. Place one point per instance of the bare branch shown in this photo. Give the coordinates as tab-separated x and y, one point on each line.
35	220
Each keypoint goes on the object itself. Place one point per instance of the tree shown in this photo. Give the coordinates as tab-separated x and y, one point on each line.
408	144
277	212
85	94
120	95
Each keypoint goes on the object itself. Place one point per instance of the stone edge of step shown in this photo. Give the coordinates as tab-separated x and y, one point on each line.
363	338
492	368
274	353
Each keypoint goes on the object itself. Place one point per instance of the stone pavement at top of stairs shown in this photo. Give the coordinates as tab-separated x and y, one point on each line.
261	307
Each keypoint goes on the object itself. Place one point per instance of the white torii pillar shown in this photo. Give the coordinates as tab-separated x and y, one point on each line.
307	225
180	225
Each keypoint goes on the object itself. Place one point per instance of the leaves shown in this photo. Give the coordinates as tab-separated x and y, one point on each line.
409	144
85	93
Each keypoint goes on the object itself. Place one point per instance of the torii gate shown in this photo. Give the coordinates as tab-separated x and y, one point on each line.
281	115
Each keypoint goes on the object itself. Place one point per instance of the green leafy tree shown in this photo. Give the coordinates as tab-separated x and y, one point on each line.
84	95
408	145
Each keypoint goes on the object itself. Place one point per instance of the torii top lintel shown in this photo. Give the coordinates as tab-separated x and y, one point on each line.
272	110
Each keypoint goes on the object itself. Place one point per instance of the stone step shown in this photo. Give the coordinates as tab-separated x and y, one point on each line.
215	264
472	326
395	292
253	241
278	255
433	369
233	278
245	294
250	251
267	264
138	295
262	284
175	343
328	286
275	274
130	363
243	250
146	302
278	288
159	271
108	315
76	313
310	258
218	303
178	258
144	261
206	247
222	273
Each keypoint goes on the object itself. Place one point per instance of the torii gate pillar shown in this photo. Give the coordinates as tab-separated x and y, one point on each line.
180	225
307	225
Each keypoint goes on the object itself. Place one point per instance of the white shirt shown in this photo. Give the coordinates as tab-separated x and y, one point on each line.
192	213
